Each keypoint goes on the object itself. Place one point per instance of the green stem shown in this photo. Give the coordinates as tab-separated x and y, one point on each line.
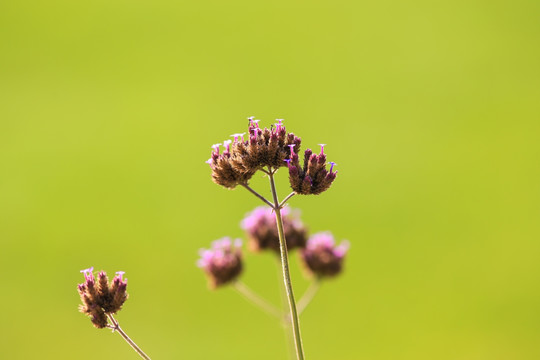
308	295
255	299
282	204
286	320
116	327
286	274
257	195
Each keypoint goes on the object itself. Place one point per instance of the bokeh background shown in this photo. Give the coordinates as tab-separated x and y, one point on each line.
431	110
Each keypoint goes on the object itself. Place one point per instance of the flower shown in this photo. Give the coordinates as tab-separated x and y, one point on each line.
246	154
312	177
222	263
223	172
322	257
261	228
101	298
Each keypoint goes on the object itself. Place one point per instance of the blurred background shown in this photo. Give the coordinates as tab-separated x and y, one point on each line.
431	109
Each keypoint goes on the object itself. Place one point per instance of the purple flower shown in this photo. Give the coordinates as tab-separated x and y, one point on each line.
245	155
222	263
322	257
312	177
261	229
101	298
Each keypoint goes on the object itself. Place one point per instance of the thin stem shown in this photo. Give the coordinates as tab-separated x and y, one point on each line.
257	300
258	195
286	273
117	328
308	295
282	204
286	320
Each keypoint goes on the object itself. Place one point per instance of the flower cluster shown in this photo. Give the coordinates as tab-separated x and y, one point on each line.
222	263
273	227
322	257
101	298
312	177
261	229
246	154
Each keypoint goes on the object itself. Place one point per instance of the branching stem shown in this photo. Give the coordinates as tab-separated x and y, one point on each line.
308	295
258	195
116	327
256	299
282	204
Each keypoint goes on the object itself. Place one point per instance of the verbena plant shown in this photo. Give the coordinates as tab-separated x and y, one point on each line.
273	227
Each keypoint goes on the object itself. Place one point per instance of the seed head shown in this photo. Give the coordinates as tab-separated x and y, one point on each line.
261	229
102	298
322	257
222	263
312	177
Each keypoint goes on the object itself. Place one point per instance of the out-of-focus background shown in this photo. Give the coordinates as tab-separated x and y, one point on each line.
431	109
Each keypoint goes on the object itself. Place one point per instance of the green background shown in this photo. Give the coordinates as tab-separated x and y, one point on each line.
431	109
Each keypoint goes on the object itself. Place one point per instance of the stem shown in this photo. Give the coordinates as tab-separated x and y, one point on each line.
257	300
286	274
286	320
282	204
258	195
117	328
308	295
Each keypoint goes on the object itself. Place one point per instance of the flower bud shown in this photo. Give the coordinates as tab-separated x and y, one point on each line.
261	229
322	257
222	263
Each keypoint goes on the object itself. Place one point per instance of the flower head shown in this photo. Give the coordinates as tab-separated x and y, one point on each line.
312	177
101	298
322	257
261	228
251	151
222	263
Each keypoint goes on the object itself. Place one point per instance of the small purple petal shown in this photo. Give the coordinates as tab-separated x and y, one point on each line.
236	136
89	270
201	263
342	248
332	164
227	145
292	148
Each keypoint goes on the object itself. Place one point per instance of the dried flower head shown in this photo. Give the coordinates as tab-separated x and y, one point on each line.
261	228
312	177
101	298
247	153
223	172
322	257
222	263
